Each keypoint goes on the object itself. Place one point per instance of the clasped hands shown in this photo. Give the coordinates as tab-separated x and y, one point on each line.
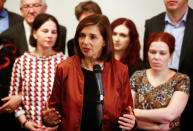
51	116
127	121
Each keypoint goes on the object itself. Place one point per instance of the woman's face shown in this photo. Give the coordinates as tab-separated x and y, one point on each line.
91	42
159	55
46	35
121	38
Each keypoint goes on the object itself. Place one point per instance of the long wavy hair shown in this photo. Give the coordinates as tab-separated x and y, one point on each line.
131	55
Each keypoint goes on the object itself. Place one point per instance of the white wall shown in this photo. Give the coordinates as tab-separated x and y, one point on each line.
136	10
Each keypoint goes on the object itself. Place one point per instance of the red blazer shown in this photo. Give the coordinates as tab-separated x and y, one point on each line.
67	93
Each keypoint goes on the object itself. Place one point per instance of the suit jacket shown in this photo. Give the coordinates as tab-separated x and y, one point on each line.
157	24
16	34
14	18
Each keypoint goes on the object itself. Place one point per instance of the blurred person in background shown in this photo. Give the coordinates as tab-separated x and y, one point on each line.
7	18
20	33
126	44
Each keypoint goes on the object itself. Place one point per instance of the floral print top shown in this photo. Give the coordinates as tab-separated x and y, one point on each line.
150	97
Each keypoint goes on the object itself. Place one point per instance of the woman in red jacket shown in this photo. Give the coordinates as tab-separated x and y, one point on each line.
75	88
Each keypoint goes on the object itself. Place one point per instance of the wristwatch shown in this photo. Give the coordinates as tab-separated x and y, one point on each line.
23	124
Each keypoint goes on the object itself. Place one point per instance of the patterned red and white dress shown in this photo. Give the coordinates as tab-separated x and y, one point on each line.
33	77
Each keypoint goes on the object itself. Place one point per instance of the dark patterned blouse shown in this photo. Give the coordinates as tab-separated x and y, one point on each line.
150	97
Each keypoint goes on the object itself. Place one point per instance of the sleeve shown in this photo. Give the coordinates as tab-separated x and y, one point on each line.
126	96
133	82
55	99
16	84
146	35
183	84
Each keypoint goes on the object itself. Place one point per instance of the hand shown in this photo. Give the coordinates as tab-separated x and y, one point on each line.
51	117
10	103
32	126
127	121
164	126
50	128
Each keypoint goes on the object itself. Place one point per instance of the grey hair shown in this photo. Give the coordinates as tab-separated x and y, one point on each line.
43	2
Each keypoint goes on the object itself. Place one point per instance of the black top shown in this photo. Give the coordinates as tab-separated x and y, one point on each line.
132	69
70	46
88	122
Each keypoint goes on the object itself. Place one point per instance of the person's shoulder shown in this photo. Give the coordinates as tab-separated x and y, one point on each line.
138	76
183	82
22	57
68	62
70	41
182	76
139	73
62	28
15	15
60	55
190	9
118	64
156	18
13	30
190	16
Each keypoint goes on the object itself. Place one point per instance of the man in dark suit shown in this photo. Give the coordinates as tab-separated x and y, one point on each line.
7	18
177	20
20	33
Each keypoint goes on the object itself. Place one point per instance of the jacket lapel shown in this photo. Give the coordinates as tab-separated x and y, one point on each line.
22	39
188	36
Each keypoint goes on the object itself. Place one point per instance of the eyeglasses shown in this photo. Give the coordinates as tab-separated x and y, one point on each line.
34	6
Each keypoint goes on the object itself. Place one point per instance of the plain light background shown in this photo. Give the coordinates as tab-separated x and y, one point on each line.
136	10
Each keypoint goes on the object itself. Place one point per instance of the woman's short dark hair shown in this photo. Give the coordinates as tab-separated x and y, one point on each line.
131	55
39	21
103	25
87	6
164	37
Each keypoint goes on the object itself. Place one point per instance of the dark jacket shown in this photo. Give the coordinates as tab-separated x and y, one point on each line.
14	18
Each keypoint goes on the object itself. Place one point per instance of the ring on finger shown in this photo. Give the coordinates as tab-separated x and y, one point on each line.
7	109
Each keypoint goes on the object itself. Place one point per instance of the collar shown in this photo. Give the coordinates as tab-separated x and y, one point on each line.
27	26
3	13
184	19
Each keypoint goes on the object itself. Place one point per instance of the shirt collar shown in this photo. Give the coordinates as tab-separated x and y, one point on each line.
3	13
167	19
27	26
